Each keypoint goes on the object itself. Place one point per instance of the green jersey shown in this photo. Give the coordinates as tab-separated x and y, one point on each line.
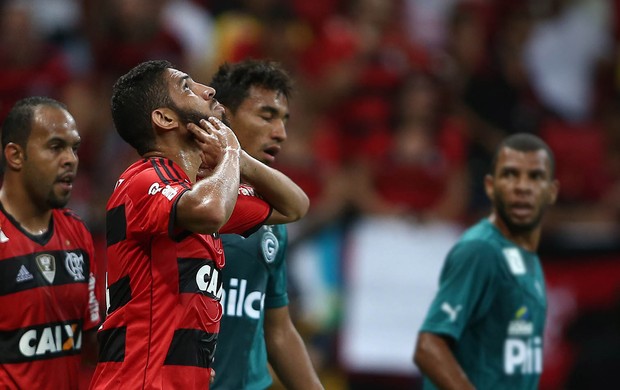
491	301
254	280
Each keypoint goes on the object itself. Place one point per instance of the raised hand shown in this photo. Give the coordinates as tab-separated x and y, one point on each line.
214	139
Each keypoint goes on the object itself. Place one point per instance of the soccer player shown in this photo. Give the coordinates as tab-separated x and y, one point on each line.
48	292
484	329
165	254
256	324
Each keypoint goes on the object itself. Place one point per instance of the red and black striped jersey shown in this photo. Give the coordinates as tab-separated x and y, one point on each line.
164	284
48	297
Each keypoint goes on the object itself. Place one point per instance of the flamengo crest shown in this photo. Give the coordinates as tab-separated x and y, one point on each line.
75	266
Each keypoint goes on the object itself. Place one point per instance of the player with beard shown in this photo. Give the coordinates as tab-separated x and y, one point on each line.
484	328
49	306
165	254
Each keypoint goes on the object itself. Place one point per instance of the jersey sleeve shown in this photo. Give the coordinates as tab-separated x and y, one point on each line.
92	315
466	288
250	213
151	204
276	293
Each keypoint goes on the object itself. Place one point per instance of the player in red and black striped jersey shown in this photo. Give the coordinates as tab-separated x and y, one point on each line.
47	285
164	251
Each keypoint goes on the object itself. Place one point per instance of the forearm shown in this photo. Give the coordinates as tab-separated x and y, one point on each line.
287	352
291	363
287	198
435	359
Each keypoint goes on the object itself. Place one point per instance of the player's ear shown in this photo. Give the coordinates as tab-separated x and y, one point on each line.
488	186
14	156
165	118
553	191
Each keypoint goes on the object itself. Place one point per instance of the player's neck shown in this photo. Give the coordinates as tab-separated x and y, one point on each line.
526	239
189	161
33	219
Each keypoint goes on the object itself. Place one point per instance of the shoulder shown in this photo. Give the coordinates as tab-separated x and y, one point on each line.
69	224
150	178
70	217
474	251
267	243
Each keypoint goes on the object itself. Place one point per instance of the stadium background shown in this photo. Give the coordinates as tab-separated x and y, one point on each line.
399	104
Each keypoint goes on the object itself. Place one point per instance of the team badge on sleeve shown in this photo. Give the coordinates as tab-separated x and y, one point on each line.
515	261
269	245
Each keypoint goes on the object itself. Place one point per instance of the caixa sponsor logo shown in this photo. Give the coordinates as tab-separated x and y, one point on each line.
208	280
236	302
523	356
51	340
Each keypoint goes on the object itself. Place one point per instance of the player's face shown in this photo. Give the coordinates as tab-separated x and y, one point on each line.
192	101
51	160
260	123
521	188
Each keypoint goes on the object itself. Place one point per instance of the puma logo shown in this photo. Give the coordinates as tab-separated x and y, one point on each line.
452	312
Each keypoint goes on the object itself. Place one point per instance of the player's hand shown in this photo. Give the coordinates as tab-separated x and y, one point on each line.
231	139
214	140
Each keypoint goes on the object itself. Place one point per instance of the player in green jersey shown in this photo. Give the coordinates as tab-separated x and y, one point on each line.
256	328
484	328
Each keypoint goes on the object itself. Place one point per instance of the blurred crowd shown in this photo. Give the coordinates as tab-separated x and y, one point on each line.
399	103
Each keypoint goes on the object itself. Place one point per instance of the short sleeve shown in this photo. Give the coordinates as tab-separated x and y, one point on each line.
467	286
151	204
250	212
276	294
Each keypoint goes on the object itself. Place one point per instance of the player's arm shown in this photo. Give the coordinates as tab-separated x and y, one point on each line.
288	200
207	206
287	352
435	359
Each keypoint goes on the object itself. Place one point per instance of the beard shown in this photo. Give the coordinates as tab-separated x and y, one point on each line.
55	201
189	116
193	116
517	227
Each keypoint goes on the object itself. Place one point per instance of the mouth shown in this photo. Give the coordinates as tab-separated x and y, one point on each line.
66	180
271	152
218	109
522	209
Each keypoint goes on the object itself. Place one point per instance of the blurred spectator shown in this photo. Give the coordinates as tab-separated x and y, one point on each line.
193	25
428	23
351	72
421	172
29	65
260	29
498	101
563	53
464	52
129	32
587	155
596	337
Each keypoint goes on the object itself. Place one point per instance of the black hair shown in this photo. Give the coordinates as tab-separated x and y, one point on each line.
134	97
17	125
232	82
525	142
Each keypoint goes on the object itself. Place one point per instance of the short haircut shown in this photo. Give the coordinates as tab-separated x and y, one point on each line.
134	97
232	82
525	142
17	125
